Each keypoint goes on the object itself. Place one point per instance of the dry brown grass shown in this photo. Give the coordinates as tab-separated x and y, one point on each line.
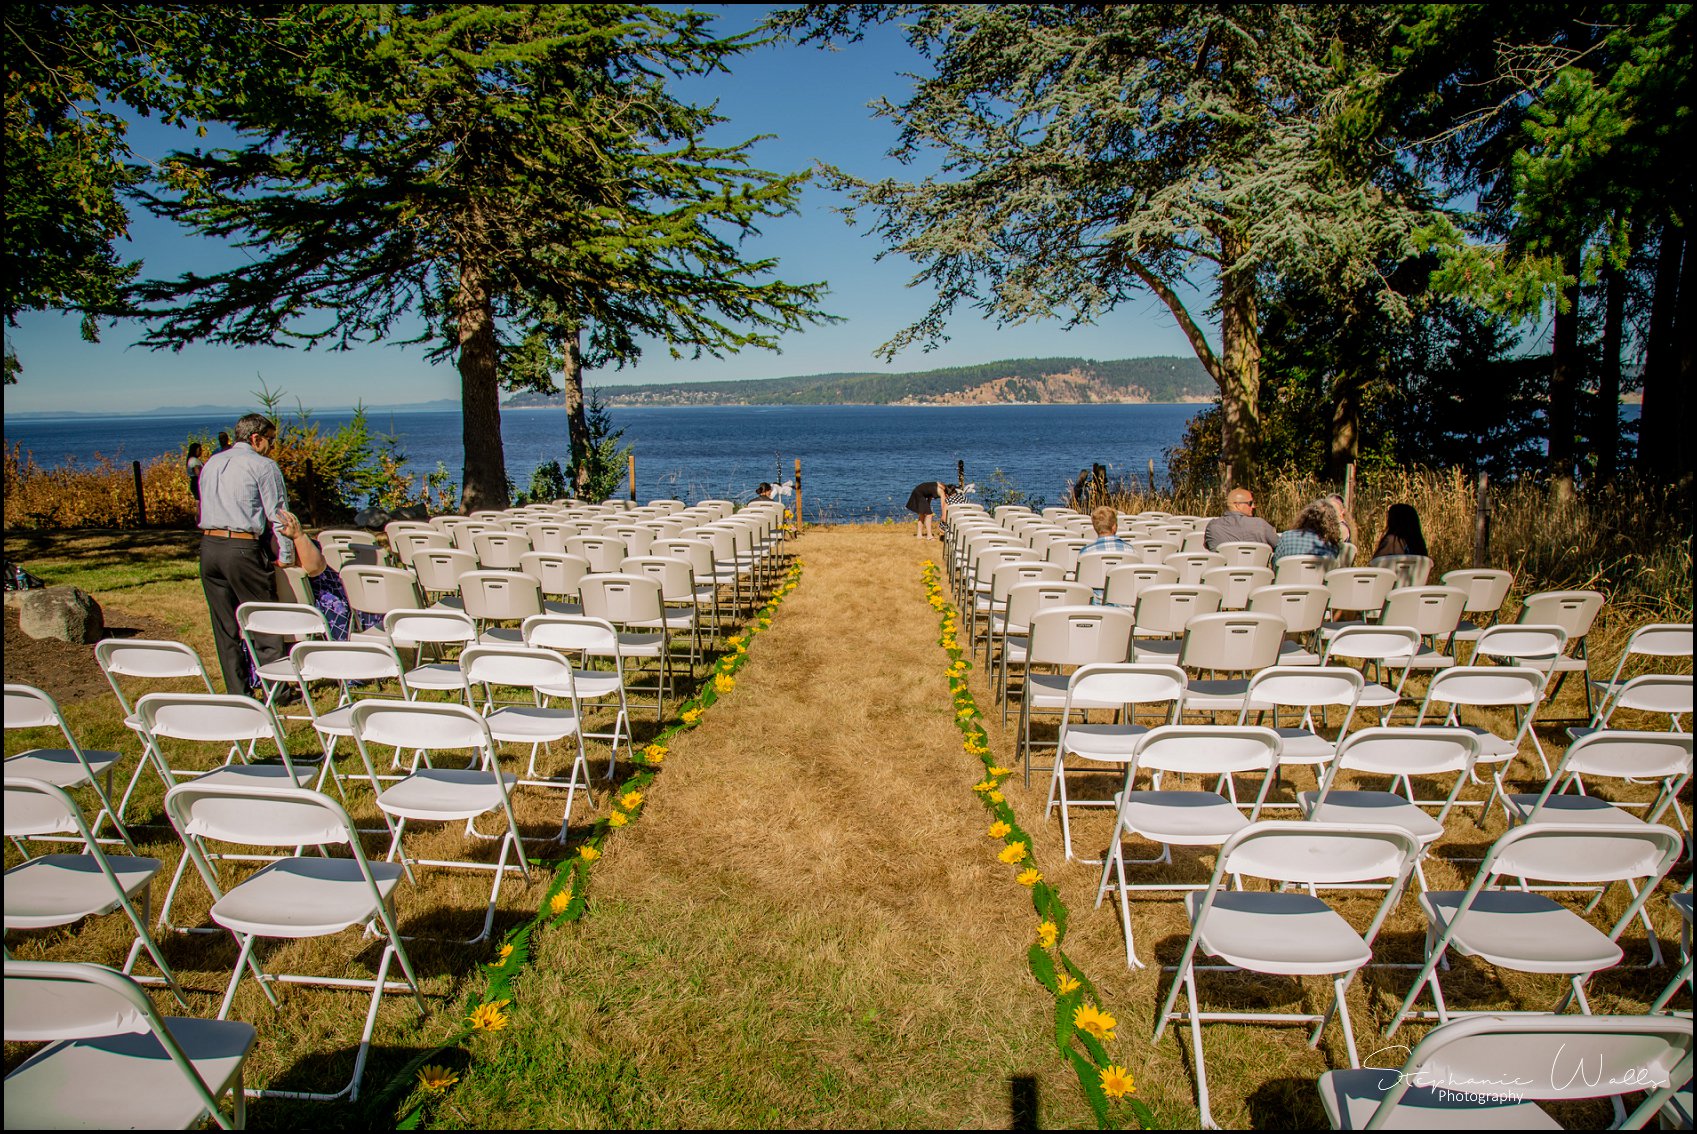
807	926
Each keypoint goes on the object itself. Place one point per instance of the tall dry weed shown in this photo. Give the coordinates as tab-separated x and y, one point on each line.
100	495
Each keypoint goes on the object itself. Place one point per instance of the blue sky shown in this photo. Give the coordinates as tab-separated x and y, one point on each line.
813	101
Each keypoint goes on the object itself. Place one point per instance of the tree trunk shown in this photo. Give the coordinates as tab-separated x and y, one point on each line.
1685	334
1240	366
571	384
1564	384
485	475
1607	437
1659	438
1346	425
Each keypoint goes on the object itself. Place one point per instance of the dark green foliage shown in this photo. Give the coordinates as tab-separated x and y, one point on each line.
604	466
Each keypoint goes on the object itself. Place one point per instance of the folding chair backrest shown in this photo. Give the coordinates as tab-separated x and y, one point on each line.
1155	549
261	816
1237	583
149	658
1299	686
29	707
284	619
365	660
1193	565
408	544
1486	587
1093	568
225	717
572	634
622	599
1123	584
1301	605
378	590
442	625
1245	553
500	550
35	808
1521	641
1374	643
557	572
1321	854
1359	588
500	596
1618	754
1127	684
1655	693
1410	570
1661	640
1405	750
1583	854
1236	641
1486	685
1026	599
1208	750
1430	610
522	666
1166	608
420	724
1541	1058
675	576
1078	635
1292	570
698	553
604	552
439	568
1573	611
1009	575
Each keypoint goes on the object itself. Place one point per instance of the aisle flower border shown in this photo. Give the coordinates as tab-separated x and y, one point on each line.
1079	1015
429	1076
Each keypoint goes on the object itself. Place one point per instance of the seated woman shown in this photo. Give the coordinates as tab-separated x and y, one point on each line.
1315	531
1402	533
328	593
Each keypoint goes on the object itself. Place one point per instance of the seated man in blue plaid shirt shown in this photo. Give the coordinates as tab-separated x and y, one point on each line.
1106	522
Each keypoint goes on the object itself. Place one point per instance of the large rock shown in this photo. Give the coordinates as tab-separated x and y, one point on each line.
410	512
371	519
61	612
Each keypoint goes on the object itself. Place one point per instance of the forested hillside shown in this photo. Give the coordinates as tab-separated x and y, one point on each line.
1012	380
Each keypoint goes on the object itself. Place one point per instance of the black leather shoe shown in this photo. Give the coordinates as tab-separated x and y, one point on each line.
287	695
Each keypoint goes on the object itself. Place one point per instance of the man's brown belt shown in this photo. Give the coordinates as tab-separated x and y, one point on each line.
225	533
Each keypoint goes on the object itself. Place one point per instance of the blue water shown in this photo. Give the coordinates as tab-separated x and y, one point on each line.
858	462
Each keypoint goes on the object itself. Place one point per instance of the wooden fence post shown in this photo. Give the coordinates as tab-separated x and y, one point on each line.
141	500
1349	490
311	496
632	459
1151	476
798	496
960	474
1481	521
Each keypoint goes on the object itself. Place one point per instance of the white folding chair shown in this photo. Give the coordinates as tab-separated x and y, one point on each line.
633	604
1024	601
72	766
294	897
439	570
287	620
1123	688
1657	640
1163	611
1574	612
1301	570
1517	689
584	639
1410	570
1382	647
1066	636
1666	694
59	889
1193	565
442	795
1486	589
680	610
1236	583
1490	1073
344	664
107	1054
1190	818
1525	931
1400	753
1303	607
1246	553
1355	590
1122	584
1306	688
1286	933
559	575
546	674
1239	641
438	626
1681	903
500	596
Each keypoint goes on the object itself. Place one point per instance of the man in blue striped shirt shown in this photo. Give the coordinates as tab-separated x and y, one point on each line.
241	489
1106	521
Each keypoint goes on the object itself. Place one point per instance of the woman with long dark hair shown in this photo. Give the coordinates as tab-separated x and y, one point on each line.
1402	535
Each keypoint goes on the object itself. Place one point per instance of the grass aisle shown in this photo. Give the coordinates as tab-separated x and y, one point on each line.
807	928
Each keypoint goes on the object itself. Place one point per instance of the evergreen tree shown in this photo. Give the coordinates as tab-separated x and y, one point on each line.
1089	152
498	171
